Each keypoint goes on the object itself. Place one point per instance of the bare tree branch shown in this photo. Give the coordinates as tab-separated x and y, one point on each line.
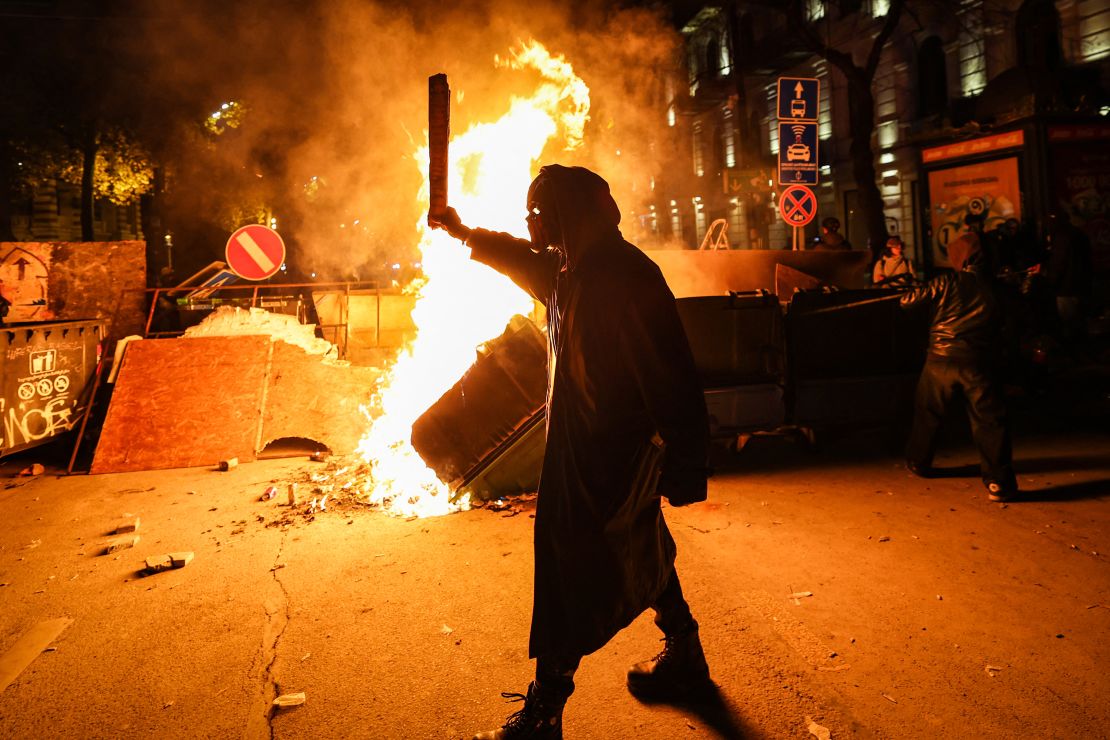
890	24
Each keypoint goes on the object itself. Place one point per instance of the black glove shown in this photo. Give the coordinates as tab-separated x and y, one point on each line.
682	489
450	222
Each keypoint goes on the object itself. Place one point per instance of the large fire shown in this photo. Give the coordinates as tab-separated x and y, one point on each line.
462	304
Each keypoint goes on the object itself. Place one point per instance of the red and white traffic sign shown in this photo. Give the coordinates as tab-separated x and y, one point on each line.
255	252
797	205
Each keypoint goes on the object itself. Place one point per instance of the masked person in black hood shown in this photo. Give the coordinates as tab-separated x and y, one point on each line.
626	424
965	343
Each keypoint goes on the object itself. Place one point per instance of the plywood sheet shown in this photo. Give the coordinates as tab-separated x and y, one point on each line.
308	397
184	403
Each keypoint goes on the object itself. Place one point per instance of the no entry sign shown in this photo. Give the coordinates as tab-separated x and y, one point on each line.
797	205
255	252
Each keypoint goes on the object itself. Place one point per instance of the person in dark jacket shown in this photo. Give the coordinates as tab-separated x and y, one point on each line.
626	423
964	342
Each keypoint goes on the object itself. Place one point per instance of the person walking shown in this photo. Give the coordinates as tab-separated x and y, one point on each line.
626	424
964	341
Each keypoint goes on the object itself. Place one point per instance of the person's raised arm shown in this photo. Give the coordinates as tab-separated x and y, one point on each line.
534	272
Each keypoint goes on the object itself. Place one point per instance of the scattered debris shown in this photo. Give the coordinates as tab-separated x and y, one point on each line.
290	700
884	539
320	455
228	464
890	698
167	705
292	494
833	668
31	470
121	543
690	724
940	598
1060	636
446	630
269	493
181	559
992	670
158	563
32	544
324	503
306	657
819	732
127	525
801	594
50	649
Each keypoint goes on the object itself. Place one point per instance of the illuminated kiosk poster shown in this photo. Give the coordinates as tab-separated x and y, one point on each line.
990	189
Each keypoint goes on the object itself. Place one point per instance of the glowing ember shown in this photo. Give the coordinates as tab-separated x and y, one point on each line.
462	303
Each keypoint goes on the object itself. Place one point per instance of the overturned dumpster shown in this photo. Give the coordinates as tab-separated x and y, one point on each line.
485	436
47	373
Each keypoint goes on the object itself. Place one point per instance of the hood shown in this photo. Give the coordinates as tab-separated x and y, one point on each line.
584	207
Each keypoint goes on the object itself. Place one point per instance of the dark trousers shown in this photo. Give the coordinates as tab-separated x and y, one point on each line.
941	379
672	615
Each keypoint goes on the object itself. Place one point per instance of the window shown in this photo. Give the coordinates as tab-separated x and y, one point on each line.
728	138
815	10
972	49
932	78
1094	30
699	151
772	122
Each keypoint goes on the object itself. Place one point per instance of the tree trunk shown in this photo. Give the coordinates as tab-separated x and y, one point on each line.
88	174
6	191
861	121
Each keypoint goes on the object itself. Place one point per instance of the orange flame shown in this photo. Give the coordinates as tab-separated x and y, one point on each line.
462	303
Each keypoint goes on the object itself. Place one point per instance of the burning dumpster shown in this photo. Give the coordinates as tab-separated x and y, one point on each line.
485	435
46	368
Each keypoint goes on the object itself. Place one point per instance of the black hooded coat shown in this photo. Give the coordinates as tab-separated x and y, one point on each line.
620	378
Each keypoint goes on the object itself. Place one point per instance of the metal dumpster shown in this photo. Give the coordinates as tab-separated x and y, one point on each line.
738	347
46	370
485	435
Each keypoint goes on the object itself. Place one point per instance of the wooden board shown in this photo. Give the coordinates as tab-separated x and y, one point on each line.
306	397
185	402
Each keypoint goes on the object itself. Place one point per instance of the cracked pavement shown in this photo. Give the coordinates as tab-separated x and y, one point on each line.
412	628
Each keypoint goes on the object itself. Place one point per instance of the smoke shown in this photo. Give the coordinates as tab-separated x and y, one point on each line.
335	105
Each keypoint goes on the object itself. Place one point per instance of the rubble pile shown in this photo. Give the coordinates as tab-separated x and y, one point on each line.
231	321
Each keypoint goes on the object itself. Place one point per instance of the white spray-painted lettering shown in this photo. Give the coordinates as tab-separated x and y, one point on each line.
39	423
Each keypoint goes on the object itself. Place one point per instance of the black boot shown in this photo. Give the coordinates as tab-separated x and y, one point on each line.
679	671
541	718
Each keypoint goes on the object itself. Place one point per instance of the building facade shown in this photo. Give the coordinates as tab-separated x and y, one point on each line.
997	108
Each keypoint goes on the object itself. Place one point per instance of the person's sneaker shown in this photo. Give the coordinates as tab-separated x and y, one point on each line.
921	471
541	717
678	671
997	492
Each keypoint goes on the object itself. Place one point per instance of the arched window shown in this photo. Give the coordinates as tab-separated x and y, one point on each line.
1038	34
932	78
713	58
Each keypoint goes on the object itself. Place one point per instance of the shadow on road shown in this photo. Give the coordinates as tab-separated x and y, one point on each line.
1067	492
714	711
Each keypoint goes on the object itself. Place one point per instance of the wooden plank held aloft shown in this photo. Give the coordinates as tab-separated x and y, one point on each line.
439	134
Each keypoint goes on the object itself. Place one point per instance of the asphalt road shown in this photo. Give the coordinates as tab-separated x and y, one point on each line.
934	613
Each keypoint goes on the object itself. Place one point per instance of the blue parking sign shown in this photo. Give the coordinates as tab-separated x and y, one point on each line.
798	160
799	98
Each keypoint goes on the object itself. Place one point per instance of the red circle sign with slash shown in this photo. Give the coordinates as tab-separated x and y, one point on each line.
255	252
797	205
